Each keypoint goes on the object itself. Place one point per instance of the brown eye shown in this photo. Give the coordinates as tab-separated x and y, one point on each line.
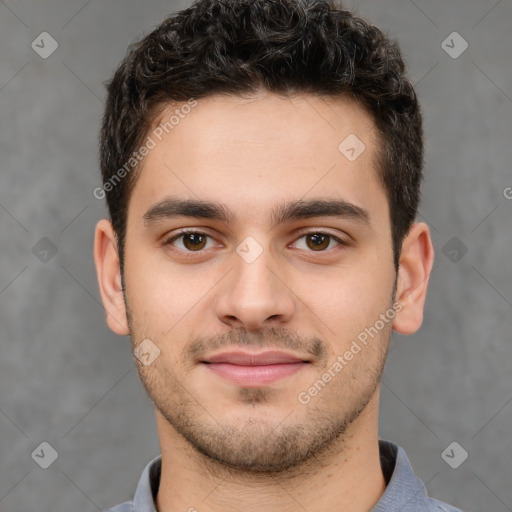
195	241
192	241
319	242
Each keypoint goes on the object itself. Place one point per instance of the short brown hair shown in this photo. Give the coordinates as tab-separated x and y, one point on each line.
284	46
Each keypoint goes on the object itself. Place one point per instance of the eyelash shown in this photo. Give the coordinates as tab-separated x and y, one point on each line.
190	254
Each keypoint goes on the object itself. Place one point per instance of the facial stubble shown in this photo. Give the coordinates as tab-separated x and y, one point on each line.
256	446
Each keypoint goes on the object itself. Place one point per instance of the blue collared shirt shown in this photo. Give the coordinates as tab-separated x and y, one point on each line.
405	492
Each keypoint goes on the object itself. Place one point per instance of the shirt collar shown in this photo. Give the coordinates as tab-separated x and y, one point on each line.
145	495
403	488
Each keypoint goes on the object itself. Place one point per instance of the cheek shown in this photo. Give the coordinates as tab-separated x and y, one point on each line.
162	294
347	299
154	293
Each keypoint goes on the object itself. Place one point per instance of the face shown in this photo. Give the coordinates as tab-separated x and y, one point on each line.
260	272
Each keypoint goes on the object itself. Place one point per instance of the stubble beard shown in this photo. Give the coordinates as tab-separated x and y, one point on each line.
282	445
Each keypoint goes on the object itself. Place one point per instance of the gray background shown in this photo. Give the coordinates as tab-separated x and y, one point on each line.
67	380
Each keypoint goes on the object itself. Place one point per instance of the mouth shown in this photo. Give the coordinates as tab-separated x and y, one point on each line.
254	370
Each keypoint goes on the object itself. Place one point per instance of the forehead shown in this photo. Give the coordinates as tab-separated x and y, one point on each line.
258	151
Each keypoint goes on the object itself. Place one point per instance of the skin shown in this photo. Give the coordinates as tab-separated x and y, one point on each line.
227	447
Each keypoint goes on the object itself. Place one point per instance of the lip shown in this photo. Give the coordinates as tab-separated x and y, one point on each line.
254	370
269	357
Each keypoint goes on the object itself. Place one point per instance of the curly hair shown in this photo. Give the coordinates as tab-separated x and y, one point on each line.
286	47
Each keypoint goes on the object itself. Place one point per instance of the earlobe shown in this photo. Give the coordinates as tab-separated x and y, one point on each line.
416	260
106	260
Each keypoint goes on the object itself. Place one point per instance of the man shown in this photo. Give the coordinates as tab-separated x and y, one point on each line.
262	162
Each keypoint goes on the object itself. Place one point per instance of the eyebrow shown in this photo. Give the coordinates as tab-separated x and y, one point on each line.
293	210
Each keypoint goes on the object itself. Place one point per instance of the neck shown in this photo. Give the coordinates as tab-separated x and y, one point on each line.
347	476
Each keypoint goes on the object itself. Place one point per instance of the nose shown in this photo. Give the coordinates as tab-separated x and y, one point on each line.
255	294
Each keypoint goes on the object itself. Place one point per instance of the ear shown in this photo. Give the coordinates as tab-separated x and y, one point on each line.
416	260
106	259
